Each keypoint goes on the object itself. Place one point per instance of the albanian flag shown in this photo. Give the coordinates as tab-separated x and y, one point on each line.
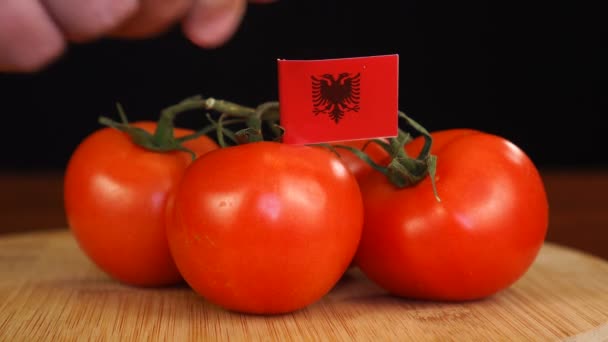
338	99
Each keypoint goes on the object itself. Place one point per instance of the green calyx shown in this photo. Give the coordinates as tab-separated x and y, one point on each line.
163	139
402	170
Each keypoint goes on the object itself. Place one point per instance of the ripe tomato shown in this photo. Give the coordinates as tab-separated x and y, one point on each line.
115	194
479	239
440	138
356	165
265	227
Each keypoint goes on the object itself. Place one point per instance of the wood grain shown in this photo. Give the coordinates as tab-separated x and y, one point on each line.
50	291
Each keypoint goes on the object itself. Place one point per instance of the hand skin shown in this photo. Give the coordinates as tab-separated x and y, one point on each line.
33	33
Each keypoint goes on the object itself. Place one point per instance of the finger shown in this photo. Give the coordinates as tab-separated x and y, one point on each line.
29	39
86	20
211	23
153	17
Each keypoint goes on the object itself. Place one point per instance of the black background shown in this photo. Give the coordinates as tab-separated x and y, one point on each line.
534	73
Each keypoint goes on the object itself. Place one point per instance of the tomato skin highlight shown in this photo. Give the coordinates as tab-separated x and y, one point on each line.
114	196
265	228
481	238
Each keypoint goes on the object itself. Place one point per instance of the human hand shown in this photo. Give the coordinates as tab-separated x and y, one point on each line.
33	33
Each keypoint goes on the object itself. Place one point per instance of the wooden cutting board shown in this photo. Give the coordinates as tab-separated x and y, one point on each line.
50	291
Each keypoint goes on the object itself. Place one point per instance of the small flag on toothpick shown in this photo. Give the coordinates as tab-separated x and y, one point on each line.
342	99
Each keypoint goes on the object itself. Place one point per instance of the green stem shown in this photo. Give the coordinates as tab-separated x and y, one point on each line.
222	131
428	140
360	154
268	111
122	114
253	133
277	130
165	128
207	130
164	131
253	118
229	108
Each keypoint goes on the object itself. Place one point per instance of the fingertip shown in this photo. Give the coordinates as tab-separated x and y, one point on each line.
30	40
210	24
152	18
38	58
83	21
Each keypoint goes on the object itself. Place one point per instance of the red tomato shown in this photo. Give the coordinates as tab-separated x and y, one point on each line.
356	165
440	138
479	239
115	194
265	227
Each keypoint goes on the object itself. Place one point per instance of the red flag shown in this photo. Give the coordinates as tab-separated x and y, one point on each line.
338	99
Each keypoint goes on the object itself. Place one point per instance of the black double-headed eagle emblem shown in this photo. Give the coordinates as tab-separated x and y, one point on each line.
336	96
